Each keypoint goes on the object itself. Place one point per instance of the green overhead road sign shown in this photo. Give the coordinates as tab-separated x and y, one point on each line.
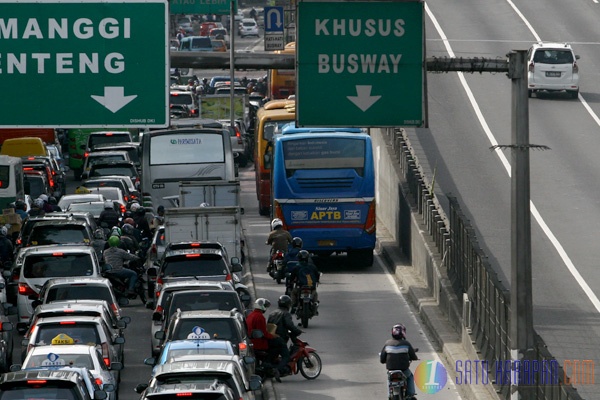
360	63
84	63
201	6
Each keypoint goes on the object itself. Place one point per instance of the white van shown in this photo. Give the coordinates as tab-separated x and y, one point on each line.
11	180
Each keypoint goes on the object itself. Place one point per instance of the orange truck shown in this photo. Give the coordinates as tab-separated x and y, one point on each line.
47	135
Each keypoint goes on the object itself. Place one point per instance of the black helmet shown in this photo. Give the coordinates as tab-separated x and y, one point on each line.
52	200
284	301
303	255
399	332
297	242
20	205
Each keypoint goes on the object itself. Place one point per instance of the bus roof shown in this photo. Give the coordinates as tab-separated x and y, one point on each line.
291	128
279	104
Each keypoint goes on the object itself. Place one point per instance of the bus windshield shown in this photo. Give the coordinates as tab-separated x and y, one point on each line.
186	148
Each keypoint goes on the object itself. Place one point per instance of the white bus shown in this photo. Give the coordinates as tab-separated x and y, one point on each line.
169	157
12	187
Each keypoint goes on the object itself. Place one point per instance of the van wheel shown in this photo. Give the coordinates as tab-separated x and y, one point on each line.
530	93
575	94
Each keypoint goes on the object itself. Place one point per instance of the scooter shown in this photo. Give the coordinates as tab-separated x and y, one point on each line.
303	359
306	307
120	285
276	270
397	384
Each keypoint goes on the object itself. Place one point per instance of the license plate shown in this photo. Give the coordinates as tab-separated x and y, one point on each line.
553	74
326	243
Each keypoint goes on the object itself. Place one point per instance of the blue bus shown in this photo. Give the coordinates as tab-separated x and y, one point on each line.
323	185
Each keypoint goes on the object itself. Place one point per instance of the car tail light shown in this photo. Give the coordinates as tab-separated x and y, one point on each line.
67	322
126	198
27	169
105	355
370	224
194	244
184	394
575	68
99	381
58	254
15	274
25	290
531	67
192	255
159	280
109	134
154	249
37	382
123	209
228	277
113	306
86	154
19	241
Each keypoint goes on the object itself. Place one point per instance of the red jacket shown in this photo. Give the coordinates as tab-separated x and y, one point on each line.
256	320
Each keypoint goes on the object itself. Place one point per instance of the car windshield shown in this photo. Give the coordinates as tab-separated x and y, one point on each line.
36	185
113	170
80	333
94	208
103	139
197	351
190	301
57	265
82	292
60	234
217	328
194	265
553	56
52	390
72	360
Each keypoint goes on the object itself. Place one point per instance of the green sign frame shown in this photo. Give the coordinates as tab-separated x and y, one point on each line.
77	64
219	7
360	64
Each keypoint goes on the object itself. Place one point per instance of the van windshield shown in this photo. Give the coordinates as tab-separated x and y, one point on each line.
4	176
56	266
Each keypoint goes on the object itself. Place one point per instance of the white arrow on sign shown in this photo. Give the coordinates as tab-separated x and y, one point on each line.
363	98
278	22
114	98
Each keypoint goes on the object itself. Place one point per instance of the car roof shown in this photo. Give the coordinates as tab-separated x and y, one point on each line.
113	163
218	363
177	253
53	248
196	314
76	318
196	284
75	305
79	280
56	374
61	222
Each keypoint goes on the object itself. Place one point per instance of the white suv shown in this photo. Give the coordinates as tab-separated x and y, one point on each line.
553	67
248	27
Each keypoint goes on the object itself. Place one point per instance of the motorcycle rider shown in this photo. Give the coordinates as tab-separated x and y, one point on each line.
6	247
99	243
256	321
141	223
109	216
278	239
115	256
128	237
290	262
285	329
397	353
305	274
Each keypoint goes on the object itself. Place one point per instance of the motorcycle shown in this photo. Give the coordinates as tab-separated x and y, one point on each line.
306	307
303	359
120	285
397	384
276	269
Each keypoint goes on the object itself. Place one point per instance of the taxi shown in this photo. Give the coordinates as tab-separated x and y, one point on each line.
50	383
225	368
190	348
76	330
73	355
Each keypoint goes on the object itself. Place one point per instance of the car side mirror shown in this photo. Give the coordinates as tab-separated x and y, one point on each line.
15	367
150	361
116	366
6	326
123	301
151	272
126	319
160	335
237	267
2	285
141	387
85	175
119	340
267	161
100	395
245	299
255	382
7	273
108	387
156	316
249	360
121	324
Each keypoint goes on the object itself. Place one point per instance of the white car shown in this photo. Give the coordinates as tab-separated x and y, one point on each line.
552	67
67	199
248	27
73	355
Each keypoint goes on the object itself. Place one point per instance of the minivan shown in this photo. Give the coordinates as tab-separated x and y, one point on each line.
196	43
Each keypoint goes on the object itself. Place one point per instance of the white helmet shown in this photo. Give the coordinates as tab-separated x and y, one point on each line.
134	207
275	223
262	304
43	197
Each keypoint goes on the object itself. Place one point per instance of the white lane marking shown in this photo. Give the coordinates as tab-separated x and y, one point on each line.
534	211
